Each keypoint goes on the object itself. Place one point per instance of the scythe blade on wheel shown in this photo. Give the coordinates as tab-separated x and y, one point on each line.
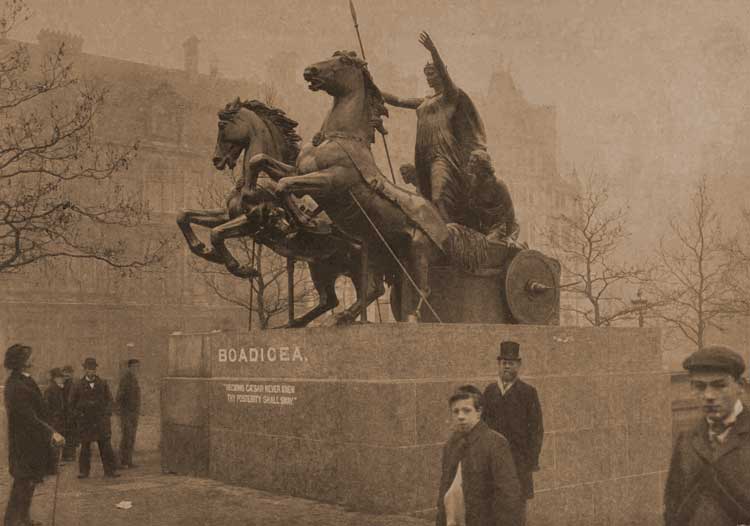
532	288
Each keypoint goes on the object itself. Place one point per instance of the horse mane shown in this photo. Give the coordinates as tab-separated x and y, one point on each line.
274	116
375	100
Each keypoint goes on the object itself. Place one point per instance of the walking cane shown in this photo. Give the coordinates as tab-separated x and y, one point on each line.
57	481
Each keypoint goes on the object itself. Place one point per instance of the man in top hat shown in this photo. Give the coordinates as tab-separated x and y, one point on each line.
91	404
129	407
29	435
512	408
69	451
709	476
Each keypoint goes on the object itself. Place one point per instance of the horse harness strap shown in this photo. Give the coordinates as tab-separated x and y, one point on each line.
321	137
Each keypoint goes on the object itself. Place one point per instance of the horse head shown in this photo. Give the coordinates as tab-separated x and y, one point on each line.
233	136
345	77
254	126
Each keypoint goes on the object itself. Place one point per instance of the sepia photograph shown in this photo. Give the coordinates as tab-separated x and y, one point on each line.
384	262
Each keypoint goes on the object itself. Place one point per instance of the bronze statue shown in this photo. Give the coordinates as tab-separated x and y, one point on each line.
409	175
490	207
339	172
448	129
255	210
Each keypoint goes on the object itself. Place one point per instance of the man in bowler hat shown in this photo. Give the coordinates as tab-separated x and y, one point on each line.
129	407
512	408
709	476
91	403
29	435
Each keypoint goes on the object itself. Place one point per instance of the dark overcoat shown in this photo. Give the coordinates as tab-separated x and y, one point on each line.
709	484
492	493
71	435
518	417
129	395
92	409
54	397
29	435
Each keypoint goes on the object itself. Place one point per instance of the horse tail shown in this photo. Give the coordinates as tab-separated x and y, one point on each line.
466	247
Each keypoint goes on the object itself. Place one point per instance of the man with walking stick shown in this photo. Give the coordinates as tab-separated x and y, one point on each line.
29	435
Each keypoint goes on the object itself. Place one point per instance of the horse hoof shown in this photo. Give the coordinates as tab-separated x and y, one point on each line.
412	318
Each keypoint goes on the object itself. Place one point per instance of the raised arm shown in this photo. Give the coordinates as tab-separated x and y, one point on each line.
449	88
408	103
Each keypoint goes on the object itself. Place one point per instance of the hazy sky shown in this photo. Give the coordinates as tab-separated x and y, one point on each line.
652	92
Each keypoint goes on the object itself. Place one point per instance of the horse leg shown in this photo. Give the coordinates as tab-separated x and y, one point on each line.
323	275
265	163
418	265
314	184
375	289
208	218
237	227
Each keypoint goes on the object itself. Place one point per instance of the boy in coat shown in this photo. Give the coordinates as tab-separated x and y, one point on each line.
478	486
29	435
709	476
91	403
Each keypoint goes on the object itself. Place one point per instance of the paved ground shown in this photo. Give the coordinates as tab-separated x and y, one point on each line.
168	500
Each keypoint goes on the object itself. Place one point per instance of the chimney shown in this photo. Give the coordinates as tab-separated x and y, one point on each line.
191	55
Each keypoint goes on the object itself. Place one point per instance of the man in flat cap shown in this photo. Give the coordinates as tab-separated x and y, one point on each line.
91	403
29	435
512	408
709	476
129	407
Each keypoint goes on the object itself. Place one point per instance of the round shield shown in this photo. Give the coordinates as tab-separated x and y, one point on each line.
532	288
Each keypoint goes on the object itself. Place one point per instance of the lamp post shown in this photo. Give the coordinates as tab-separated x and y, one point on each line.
640	306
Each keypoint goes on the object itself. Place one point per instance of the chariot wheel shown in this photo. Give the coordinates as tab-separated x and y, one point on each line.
532	288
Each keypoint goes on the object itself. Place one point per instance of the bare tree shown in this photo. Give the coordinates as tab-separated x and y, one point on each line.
695	289
60	187
589	243
738	279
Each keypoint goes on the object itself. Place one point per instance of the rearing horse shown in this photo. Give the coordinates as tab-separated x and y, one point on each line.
254	210
338	171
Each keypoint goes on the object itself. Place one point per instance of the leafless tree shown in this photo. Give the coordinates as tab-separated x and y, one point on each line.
696	288
738	279
60	187
589	242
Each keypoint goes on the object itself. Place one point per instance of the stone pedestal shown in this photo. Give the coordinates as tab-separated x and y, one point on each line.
358	416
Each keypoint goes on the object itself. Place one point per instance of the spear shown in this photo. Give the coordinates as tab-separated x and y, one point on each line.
362	49
356	28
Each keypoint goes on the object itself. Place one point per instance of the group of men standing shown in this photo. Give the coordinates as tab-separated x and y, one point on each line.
489	460
44	427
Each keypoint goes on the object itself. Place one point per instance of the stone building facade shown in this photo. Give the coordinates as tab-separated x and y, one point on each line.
70	309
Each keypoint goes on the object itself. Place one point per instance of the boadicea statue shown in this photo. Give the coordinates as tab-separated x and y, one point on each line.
361	224
338	171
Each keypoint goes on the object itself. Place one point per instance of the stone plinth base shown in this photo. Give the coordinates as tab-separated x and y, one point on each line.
358	416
